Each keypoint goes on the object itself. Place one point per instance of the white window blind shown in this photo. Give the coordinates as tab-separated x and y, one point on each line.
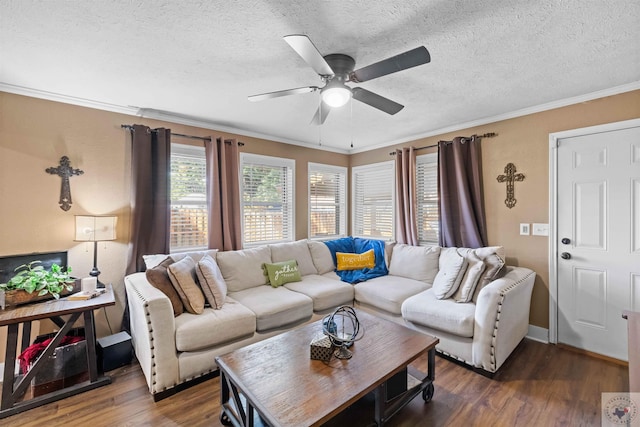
373	188
188	198
327	201
427	198
267	199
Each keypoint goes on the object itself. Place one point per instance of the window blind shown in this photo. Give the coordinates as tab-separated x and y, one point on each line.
373	200
327	201
188	198
427	198
267	199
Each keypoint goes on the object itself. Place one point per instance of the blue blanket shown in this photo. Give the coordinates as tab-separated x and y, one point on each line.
358	246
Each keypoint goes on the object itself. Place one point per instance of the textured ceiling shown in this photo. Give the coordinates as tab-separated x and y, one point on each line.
201	59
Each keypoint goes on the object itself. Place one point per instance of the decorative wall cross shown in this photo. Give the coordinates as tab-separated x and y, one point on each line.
510	176
64	171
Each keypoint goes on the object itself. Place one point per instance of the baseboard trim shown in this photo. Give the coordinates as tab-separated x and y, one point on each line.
539	334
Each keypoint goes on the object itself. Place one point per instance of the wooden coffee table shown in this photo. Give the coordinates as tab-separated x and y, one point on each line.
275	382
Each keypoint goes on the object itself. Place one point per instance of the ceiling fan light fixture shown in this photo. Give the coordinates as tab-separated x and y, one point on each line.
336	94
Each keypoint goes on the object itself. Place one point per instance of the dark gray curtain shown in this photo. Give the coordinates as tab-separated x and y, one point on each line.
461	198
406	204
150	205
223	194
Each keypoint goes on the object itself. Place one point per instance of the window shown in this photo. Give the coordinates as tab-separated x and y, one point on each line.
267	199
188	198
327	201
373	200
427	198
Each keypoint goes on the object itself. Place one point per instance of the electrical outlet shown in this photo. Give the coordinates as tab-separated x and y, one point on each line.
524	229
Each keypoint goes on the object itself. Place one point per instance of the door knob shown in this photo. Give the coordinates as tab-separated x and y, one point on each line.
565	255
565	241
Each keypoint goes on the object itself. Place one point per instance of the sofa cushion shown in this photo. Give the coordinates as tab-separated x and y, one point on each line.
275	307
151	261
324	291
471	278
214	327
450	274
415	262
243	269
158	277
279	273
321	256
211	281
348	261
183	277
442	314
388	292
295	250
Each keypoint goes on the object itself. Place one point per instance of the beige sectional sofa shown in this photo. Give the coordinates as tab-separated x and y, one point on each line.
173	350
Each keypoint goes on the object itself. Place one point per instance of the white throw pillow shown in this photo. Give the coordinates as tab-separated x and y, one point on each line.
243	269
452	269
295	250
415	262
471	277
151	261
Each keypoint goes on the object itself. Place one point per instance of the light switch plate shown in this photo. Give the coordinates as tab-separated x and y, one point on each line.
540	229
524	229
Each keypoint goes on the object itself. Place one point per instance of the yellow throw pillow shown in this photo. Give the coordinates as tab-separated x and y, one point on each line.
348	261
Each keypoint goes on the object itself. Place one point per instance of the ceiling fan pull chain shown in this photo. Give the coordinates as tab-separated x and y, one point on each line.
351	120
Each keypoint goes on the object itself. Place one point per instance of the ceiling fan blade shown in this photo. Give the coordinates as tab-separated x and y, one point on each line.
408	59
376	101
280	93
321	114
307	50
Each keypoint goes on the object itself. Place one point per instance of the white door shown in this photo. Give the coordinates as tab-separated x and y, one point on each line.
598	247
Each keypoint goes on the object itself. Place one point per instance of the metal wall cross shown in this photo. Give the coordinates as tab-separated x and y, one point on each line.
510	176
64	171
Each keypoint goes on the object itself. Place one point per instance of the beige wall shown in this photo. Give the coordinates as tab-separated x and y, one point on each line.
524	141
35	133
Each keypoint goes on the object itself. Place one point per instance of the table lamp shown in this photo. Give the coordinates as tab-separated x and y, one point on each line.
95	229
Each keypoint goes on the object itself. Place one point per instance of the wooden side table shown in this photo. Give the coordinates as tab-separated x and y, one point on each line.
53	309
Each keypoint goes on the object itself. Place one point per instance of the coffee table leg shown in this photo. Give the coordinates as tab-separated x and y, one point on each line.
380	406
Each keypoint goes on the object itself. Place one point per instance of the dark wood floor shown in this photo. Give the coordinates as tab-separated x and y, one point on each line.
540	385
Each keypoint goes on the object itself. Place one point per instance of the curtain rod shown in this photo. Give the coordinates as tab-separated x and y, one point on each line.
486	135
203	138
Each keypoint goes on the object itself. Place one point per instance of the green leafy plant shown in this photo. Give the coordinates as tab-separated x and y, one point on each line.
34	278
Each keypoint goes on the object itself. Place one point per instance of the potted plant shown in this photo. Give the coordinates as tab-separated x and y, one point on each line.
33	282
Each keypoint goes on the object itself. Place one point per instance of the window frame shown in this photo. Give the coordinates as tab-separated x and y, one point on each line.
386	166
272	161
426	159
193	151
343	204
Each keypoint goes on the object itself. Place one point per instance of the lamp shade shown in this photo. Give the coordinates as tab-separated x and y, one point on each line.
95	228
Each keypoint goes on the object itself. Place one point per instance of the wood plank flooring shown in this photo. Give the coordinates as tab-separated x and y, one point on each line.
540	385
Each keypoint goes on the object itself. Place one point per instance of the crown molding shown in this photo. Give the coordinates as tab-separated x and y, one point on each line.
151	113
205	124
511	115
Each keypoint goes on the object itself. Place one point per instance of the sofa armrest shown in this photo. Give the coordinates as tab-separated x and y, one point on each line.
152	332
502	317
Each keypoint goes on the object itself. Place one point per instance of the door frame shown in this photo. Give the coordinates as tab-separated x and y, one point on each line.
553	209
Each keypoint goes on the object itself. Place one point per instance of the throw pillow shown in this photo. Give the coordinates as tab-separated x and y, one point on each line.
415	262
495	269
471	277
279	273
348	261
452	269
159	279
183	278
213	285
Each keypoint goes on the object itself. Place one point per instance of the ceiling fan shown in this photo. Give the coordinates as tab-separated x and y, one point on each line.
337	69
